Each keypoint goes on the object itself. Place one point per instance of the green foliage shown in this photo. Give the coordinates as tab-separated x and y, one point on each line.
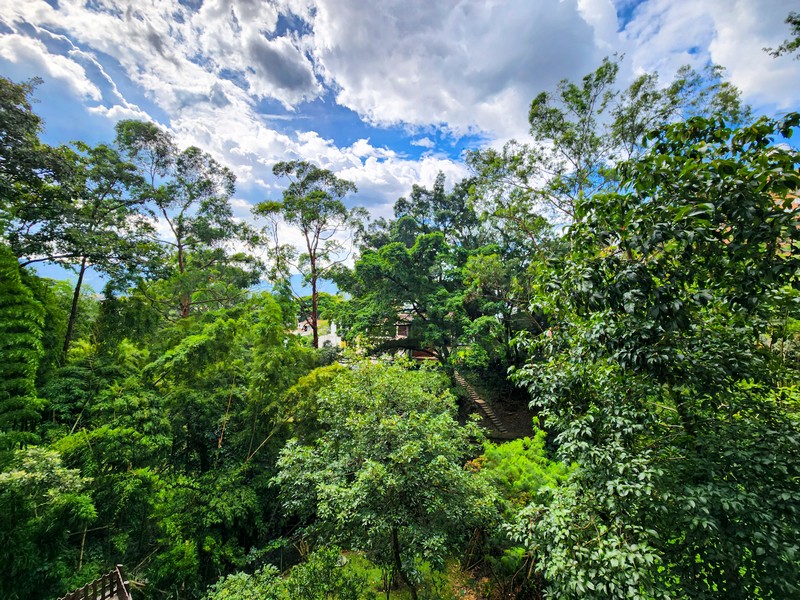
171	436
94	217
19	133
129	317
428	211
28	168
262	584
521	472
21	320
656	381
88	218
657	333
300	403
205	524
324	576
792	44
419	285
410	272
41	504
54	296
520	469
495	290
326	303
386	477
582	130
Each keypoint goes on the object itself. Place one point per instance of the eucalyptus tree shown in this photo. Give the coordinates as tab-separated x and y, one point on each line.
313	203
189	193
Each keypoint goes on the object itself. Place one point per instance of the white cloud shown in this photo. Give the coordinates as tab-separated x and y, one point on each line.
602	16
665	34
16	48
424	142
463	66
281	70
118	112
469	65
743	30
384	181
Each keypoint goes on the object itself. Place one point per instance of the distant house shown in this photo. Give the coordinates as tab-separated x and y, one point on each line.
403	325
331	338
403	331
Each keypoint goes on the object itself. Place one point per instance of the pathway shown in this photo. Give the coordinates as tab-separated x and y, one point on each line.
481	403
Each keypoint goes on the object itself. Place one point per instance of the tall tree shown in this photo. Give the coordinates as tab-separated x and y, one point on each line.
580	131
190	192
21	152
98	223
313	203
419	287
433	271
527	192
31	196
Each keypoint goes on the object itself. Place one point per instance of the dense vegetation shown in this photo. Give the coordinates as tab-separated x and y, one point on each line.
631	275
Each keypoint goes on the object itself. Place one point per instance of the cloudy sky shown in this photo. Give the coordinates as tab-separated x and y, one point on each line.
385	93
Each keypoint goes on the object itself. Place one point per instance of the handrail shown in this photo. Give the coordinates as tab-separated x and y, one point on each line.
111	586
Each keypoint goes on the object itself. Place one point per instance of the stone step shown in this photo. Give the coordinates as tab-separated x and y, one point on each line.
480	403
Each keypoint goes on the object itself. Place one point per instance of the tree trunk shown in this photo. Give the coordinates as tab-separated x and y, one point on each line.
398	564
73	313
314	303
185	306
186	302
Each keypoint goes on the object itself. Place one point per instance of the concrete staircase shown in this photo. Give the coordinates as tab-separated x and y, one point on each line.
481	404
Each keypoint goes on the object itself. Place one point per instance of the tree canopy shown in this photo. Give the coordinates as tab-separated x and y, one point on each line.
618	297
386	476
312	203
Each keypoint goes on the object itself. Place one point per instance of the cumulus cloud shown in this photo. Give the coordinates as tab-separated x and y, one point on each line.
118	112
16	48
424	142
662	35
602	16
280	65
381	182
213	70
465	65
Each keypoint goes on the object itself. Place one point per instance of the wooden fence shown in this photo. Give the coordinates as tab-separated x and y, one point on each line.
111	586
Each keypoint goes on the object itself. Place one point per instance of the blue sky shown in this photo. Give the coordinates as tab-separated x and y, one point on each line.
386	94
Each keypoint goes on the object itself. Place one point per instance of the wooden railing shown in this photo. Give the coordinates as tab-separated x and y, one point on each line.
111	586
